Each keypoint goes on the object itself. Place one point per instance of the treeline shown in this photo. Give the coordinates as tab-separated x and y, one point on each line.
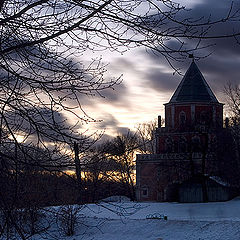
33	176
48	189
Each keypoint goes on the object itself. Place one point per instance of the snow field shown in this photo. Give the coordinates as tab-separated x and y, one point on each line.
127	221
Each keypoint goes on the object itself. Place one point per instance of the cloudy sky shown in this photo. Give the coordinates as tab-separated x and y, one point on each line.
149	82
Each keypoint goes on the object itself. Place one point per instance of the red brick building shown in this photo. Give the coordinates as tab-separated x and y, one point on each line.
186	146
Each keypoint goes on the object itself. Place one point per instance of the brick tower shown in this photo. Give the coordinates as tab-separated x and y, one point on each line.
186	146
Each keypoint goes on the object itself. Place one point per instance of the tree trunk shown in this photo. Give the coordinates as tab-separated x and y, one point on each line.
78	172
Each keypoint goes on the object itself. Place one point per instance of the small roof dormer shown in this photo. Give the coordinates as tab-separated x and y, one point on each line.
193	88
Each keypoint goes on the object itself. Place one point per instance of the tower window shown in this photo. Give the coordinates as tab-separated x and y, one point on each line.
182	118
168	123
169	145
159	172
205	118
196	144
182	144
145	191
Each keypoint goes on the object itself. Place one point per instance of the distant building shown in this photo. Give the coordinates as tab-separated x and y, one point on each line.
185	149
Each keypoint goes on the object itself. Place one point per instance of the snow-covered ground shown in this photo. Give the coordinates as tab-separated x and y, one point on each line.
127	221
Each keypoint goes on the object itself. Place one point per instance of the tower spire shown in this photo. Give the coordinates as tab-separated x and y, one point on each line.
190	55
193	88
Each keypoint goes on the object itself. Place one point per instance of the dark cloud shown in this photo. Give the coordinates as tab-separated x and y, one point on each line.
223	63
218	73
50	69
160	81
115	94
110	124
119	131
118	94
41	124
108	121
122	130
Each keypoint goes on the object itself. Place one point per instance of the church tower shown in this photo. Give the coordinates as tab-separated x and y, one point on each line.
193	104
193	108
185	147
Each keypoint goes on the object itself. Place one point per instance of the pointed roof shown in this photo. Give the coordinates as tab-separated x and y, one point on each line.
193	88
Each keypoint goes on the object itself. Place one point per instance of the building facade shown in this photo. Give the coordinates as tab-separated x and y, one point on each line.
186	147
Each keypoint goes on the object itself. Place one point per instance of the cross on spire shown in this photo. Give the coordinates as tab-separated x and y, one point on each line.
190	55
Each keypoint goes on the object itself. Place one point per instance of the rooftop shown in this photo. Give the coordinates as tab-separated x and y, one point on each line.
193	88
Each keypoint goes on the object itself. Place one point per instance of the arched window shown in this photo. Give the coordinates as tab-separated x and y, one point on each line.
213	143
182	145
196	144
144	191
204	117
168	145
168	123
182	118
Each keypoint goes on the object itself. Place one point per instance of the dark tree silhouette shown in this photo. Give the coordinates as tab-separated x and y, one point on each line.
43	79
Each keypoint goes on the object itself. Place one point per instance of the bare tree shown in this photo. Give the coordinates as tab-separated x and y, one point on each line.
42	75
231	139
96	171
122	149
43	78
145	133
